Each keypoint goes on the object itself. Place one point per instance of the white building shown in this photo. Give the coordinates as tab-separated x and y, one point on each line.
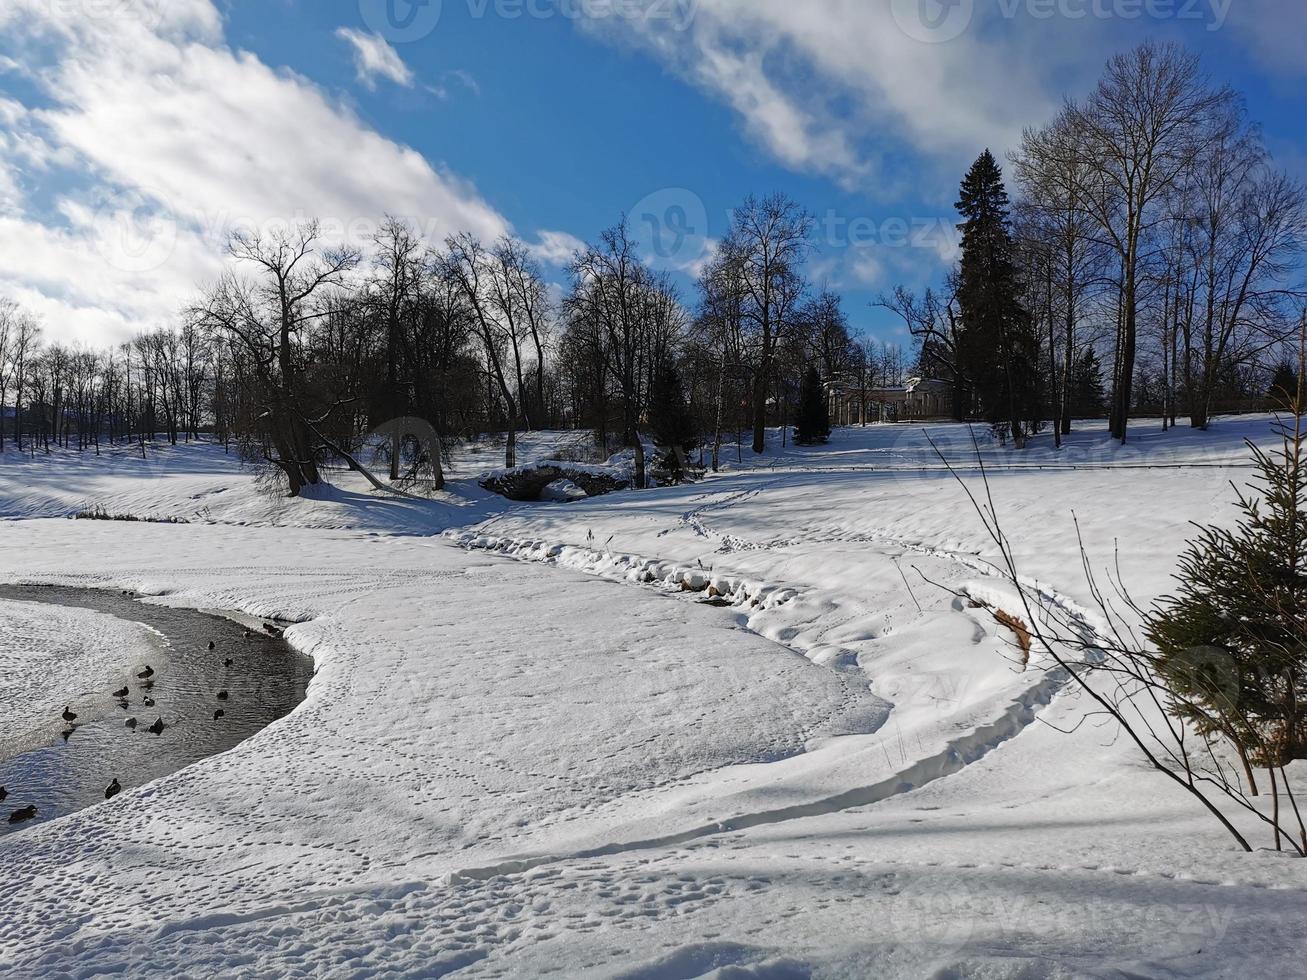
917	399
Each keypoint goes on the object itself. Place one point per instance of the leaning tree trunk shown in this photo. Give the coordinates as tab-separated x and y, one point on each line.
295	453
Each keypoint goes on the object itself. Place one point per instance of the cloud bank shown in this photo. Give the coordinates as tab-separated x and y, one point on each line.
149	139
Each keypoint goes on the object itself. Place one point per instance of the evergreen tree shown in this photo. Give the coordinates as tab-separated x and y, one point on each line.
997	347
1284	385
1088	395
672	424
1233	643
812	420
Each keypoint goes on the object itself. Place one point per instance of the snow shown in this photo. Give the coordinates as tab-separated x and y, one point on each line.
729	729
562	492
202	483
586	469
49	655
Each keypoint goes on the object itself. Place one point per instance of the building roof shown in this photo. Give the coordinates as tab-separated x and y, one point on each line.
910	387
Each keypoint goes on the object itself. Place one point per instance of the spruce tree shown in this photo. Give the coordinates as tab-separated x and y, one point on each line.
997	347
672	424
1232	642
812	418
1284	385
1088	397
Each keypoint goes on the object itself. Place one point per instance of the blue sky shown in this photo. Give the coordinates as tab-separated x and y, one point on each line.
135	132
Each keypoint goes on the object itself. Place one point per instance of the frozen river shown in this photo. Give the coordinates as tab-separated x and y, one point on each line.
60	767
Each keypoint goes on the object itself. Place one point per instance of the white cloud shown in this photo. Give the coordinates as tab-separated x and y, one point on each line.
374	57
840	89
866	269
795	135
879	97
556	248
445	89
218	140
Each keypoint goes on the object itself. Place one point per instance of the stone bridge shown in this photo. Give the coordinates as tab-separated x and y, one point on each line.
526	483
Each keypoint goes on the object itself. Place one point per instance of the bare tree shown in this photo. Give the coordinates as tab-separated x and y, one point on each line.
23	344
9	314
825	329
1138	134
1248	224
268	318
395	271
1052	170
933	320
523	300
628	312
721	324
769	239
473	269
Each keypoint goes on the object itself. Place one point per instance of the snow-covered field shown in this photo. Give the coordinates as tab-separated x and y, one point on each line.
529	751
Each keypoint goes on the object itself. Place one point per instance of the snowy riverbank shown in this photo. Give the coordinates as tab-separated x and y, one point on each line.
52	656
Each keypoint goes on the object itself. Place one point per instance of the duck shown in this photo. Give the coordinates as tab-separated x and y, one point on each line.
212	645
223	695
132	723
4	794
156	728
68	715
147	673
23	815
219	714
113	789
229	663
148	702
122	692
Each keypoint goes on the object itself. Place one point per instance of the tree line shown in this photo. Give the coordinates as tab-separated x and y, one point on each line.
304	351
158	386
1150	229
